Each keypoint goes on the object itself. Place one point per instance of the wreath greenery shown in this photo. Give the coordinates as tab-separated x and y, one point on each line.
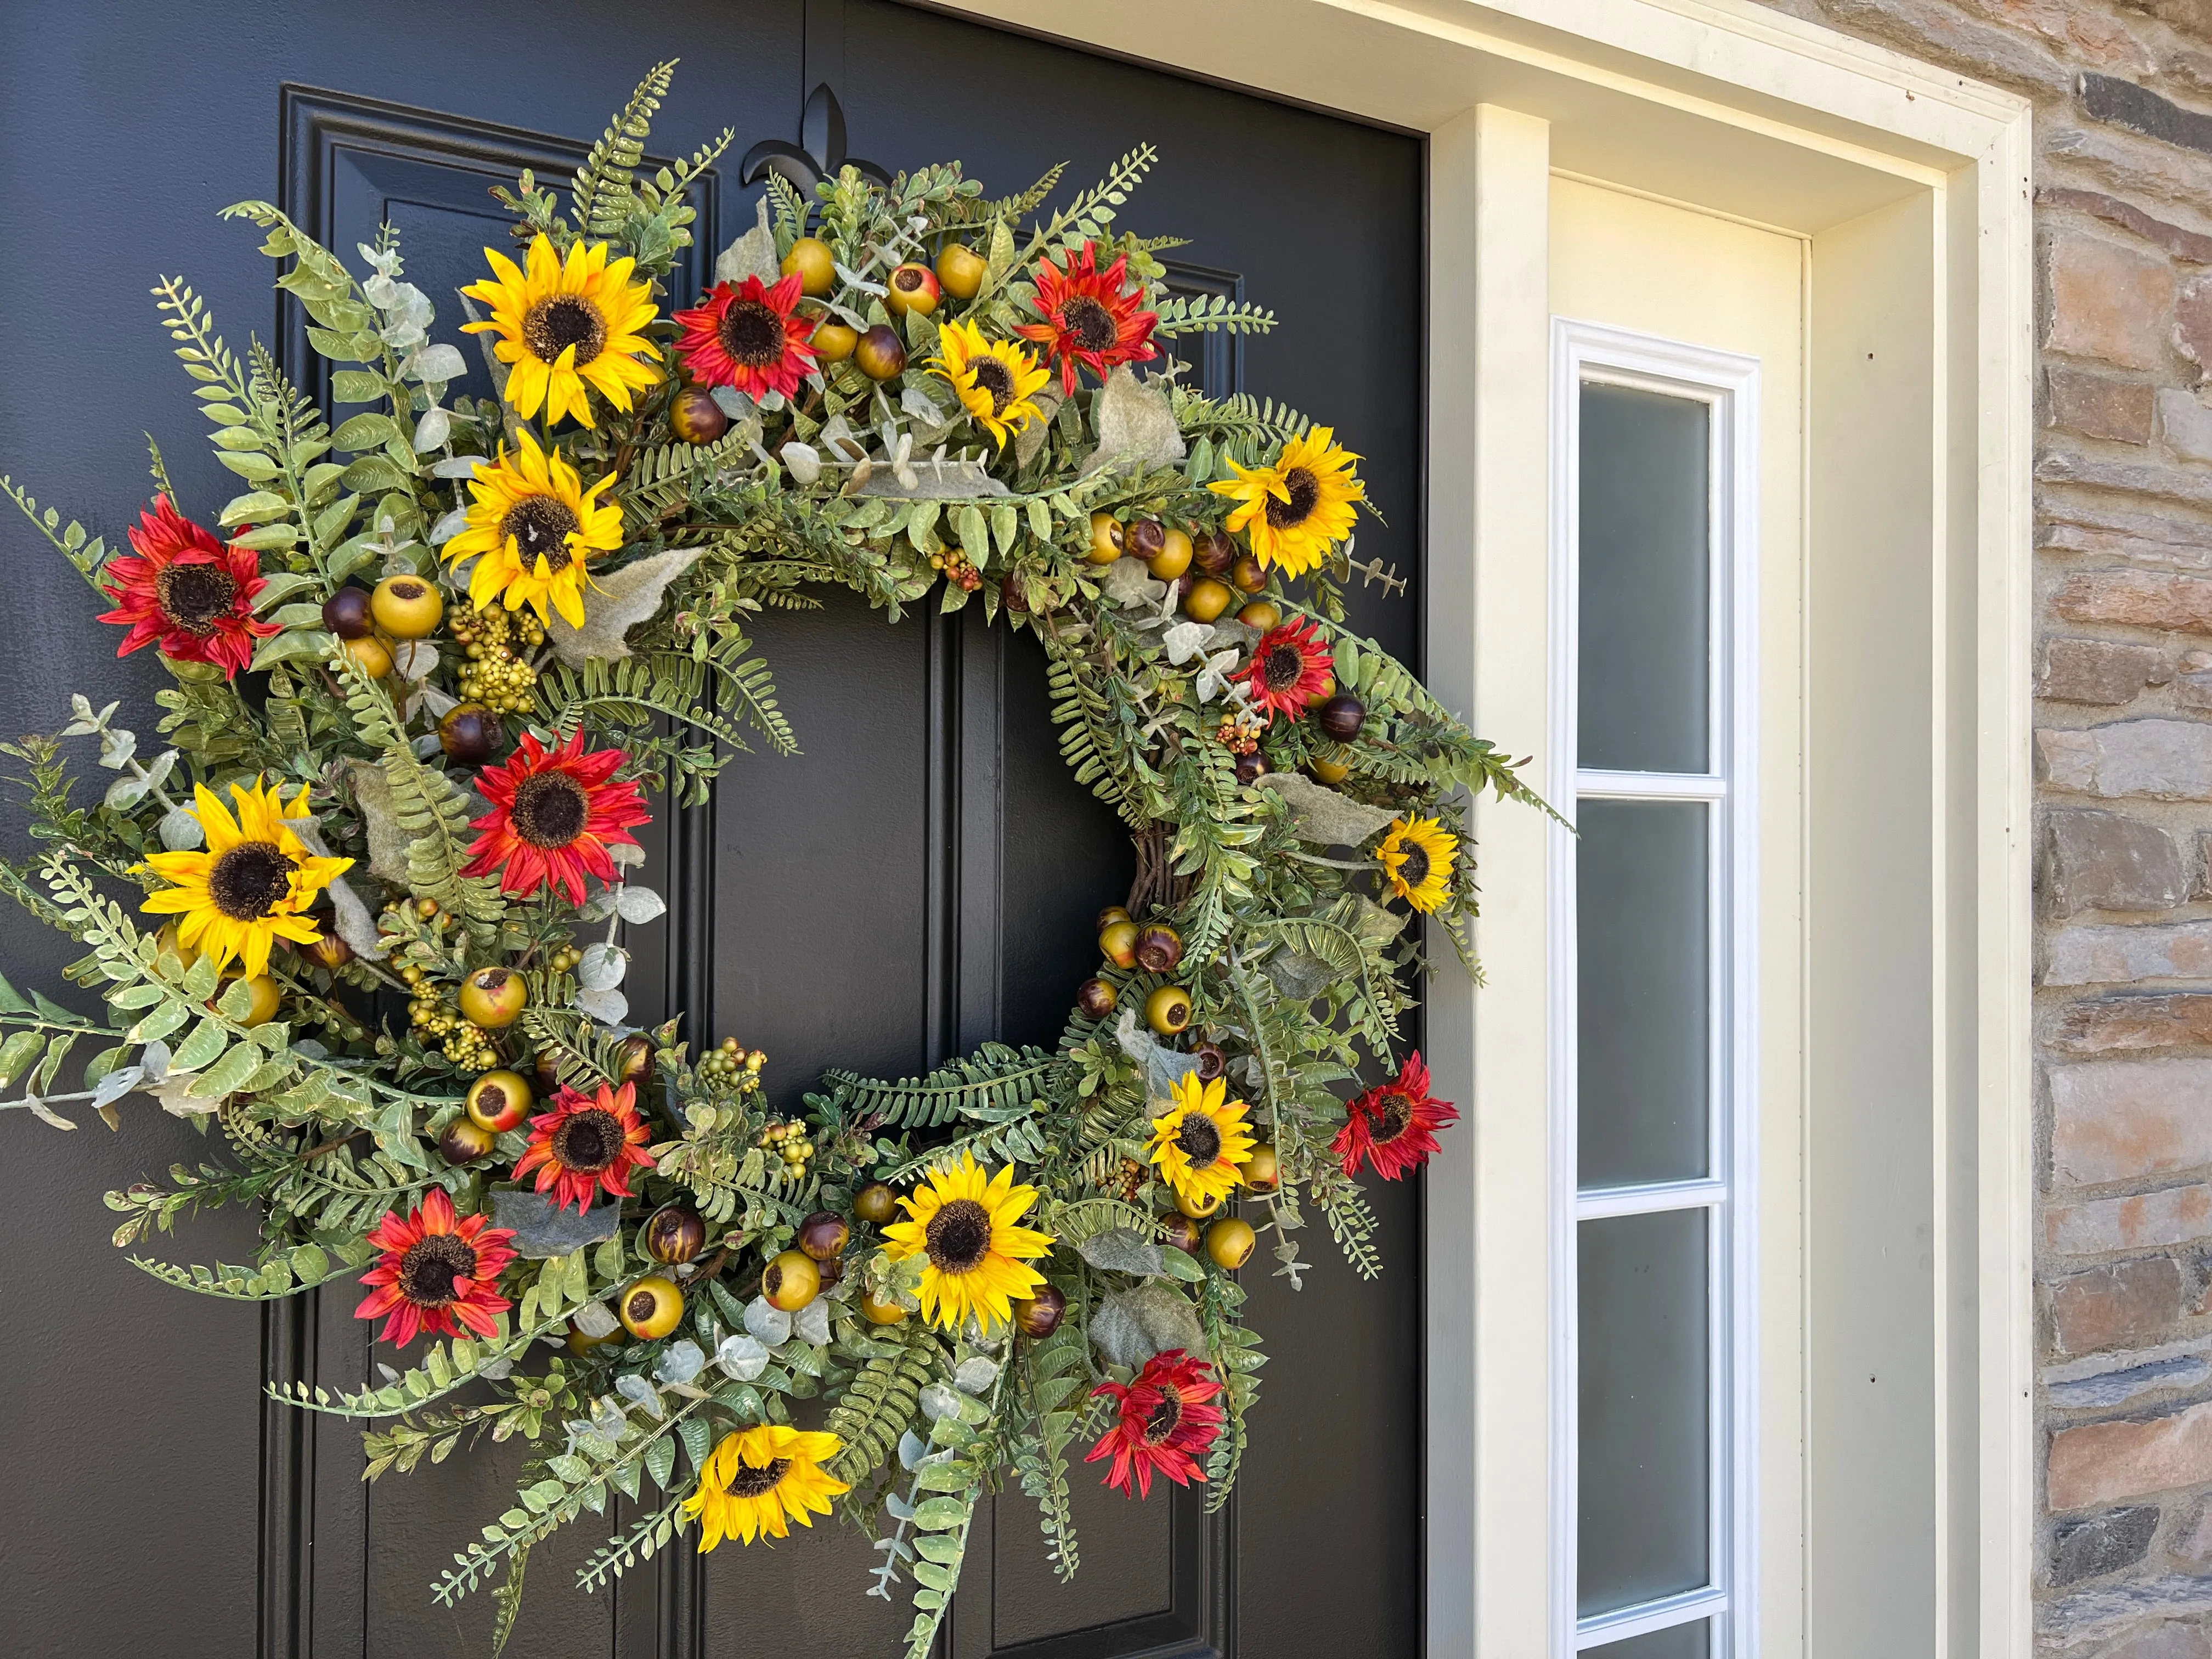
420	692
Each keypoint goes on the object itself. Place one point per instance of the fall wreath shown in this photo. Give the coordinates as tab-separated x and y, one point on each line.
358	910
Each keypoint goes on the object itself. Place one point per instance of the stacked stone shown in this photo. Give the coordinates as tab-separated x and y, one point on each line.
2124	500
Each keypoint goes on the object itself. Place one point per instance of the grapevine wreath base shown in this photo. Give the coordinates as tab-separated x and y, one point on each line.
357	911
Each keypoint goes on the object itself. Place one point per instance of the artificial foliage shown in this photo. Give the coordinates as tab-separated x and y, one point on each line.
357	905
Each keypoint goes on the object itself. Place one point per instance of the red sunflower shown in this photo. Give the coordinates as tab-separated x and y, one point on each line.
1394	1124
746	335
1291	667
187	592
438	1272
1164	1422
1090	318
554	815
588	1141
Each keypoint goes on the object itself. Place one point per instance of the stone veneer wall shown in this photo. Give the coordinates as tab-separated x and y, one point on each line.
2122	96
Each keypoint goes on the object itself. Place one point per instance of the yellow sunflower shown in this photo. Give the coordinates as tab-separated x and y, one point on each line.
535	525
1199	1142
1296	510
1417	857
250	886
996	379
756	1477
565	328
965	1225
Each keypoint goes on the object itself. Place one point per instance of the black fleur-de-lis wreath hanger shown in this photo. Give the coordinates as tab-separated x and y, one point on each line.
820	154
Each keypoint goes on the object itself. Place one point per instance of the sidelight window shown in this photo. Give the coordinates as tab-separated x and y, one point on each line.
1654	1116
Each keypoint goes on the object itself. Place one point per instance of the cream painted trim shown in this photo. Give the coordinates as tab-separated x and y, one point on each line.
1736	107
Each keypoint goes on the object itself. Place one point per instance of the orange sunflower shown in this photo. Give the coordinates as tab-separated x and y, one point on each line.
1291	668
187	592
554	814
1164	1423
1090	317
1394	1124
588	1142
438	1272
748	335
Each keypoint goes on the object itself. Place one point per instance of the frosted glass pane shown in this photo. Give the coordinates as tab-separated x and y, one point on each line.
1690	1641
1644	558
1645	1057
1644	1504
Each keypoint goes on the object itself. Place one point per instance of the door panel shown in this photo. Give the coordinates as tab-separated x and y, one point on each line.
923	875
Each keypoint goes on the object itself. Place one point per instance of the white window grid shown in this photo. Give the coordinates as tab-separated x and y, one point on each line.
1727	384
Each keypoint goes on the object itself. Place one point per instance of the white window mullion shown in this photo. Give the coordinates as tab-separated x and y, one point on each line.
1727	385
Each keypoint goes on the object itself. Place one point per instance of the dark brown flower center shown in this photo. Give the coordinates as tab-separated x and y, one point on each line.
1394	1114
550	809
1305	495
1088	324
193	595
749	1482
1199	1140
430	1268
752	334
1164	1419
554	324
959	1237
589	1141
1413	863
540	526
1283	667
994	377
250	880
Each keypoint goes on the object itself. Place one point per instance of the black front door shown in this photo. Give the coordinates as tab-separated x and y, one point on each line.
922	877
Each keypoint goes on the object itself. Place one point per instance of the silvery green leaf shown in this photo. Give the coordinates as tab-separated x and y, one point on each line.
595	1318
181	830
117	746
913	1451
1164	1068
386	1372
1120	1250
379	290
975	1376
544	1230
752	254
767	1322
153	1060
638	904
608	1419
1131	1325
86	721
743	1357
622	600
425	745
440	704
438	362
497	1370
117	1083
431	430
608	1007
1130	583
626	855
414	660
355	924
734	403
1135	423
602	968
640	1392
1298	975
598	908
124	793
458	466
1215	679
680	1363
47	1114
449	526
938	1400
811	1322
803	460
1185	640
1323	817
897	1508
385	263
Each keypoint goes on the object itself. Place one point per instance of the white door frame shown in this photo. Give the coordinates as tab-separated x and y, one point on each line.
1911	185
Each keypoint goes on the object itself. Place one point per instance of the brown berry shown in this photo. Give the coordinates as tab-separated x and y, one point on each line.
695	417
1145	538
1251	767
673	1233
346	613
881	353
1230	1241
1039	1315
1181	1231
1213	553
1094	998
1342	716
464	1141
470	734
875	1204
1158	949
823	1235
1211	1063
